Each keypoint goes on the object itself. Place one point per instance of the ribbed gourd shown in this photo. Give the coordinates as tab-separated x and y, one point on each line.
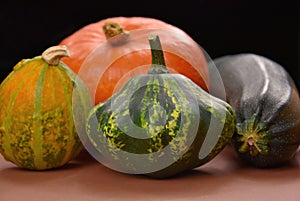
37	128
267	106
159	124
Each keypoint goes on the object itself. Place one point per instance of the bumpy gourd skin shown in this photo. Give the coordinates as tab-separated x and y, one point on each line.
160	124
267	107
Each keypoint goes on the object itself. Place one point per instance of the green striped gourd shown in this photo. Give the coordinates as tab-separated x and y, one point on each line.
159	124
37	129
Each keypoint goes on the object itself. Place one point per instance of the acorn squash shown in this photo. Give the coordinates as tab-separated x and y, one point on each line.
267	106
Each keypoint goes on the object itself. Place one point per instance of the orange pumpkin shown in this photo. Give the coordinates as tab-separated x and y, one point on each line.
107	53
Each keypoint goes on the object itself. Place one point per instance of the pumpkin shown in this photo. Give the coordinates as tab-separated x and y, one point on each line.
37	128
115	53
159	124
267	106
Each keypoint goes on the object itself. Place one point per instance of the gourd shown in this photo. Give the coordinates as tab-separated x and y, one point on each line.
37	128
159	124
107	53
267	106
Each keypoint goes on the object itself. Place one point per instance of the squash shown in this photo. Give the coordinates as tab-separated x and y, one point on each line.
267	106
159	124
37	128
117	49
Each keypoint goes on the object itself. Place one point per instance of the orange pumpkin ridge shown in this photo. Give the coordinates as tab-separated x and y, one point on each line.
84	44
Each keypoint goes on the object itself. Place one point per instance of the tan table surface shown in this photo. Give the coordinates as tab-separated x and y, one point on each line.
222	179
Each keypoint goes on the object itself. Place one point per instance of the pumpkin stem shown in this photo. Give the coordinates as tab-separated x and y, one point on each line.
53	55
158	61
114	33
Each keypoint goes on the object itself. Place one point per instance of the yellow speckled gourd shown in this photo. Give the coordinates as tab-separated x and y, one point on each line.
37	129
159	124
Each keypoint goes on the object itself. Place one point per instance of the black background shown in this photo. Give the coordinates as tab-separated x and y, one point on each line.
268	28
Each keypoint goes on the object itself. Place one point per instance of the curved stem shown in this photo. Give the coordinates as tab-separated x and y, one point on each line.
158	61
53	55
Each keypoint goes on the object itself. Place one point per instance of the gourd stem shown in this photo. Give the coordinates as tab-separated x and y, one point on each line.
158	61
114	33
53	54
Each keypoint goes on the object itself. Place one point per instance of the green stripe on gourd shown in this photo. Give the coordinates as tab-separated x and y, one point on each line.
157	123
17	147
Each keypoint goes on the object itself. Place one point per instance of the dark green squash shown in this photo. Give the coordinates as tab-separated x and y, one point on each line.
159	124
267	106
